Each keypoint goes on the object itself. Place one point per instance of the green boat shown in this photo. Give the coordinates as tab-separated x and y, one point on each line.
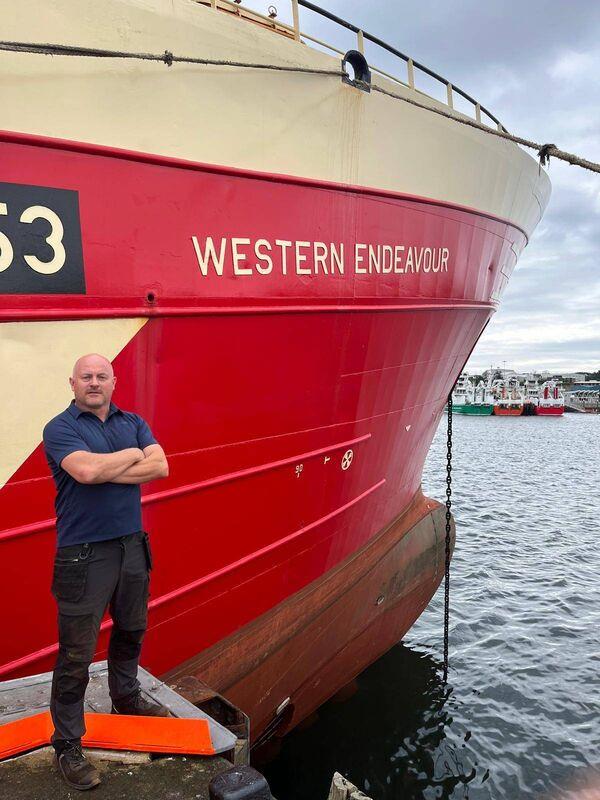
474	409
470	399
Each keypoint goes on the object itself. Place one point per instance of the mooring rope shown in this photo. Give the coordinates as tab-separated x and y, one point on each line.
167	57
544	151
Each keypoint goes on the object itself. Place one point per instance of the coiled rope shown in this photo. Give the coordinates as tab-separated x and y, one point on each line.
544	151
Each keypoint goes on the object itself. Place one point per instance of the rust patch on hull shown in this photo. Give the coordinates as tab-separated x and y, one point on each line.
315	642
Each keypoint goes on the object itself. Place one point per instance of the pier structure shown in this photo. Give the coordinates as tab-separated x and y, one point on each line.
217	768
583	401
30	773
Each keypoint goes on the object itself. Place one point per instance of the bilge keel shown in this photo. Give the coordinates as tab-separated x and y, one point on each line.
288	274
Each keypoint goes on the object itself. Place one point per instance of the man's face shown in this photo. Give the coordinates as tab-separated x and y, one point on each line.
93	382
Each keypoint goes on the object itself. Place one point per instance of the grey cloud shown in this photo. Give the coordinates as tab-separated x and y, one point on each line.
462	38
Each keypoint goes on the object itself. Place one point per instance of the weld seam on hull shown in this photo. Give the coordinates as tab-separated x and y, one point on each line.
48	524
173	595
40	314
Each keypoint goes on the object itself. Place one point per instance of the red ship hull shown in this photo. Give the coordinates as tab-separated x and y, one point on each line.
322	636
549	411
296	406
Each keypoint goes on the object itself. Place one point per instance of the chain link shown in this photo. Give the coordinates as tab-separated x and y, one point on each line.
448	532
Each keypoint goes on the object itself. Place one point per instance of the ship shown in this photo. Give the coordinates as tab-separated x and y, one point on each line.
551	401
288	255
472	399
509	401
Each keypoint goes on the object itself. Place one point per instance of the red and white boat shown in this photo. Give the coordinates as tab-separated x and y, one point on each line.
288	273
551	402
509	400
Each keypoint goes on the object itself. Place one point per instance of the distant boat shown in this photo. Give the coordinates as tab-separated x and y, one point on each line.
551	402
509	399
472	400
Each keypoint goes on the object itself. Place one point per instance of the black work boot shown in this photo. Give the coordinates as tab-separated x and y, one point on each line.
75	769
137	705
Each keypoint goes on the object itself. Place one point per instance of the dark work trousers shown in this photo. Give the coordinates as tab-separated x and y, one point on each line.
88	579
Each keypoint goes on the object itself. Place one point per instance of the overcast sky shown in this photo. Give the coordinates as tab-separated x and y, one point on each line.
536	66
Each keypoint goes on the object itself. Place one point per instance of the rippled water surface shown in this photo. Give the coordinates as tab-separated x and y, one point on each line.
520	716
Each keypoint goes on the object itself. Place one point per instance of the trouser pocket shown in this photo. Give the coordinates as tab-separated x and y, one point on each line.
147	550
69	578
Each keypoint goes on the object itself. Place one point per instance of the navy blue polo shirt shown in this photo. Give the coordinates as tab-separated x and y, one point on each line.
98	511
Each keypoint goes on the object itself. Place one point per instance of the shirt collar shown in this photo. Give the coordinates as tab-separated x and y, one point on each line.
76	412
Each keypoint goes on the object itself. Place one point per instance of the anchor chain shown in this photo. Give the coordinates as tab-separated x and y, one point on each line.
448	531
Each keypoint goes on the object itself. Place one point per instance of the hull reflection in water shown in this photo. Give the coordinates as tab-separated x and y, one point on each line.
389	737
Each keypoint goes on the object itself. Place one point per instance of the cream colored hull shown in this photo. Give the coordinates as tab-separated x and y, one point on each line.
308	125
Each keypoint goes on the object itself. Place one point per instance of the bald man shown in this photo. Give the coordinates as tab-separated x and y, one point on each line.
99	455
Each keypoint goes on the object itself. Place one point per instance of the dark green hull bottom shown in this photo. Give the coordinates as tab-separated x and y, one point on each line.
483	410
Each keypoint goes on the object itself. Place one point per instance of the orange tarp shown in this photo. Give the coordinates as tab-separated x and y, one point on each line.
148	734
25	734
113	732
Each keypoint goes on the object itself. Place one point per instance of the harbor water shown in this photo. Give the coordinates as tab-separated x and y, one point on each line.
520	716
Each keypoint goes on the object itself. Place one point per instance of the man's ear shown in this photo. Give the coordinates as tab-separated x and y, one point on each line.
71	383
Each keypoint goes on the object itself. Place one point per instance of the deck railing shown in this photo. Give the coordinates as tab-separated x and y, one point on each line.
294	31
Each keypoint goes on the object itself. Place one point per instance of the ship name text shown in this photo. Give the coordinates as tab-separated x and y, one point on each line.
241	256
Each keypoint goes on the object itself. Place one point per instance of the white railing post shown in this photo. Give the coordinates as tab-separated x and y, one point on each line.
213	4
449	91
296	20
478	112
361	42
411	73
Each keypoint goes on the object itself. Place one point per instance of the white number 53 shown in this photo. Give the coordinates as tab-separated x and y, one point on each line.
54	239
